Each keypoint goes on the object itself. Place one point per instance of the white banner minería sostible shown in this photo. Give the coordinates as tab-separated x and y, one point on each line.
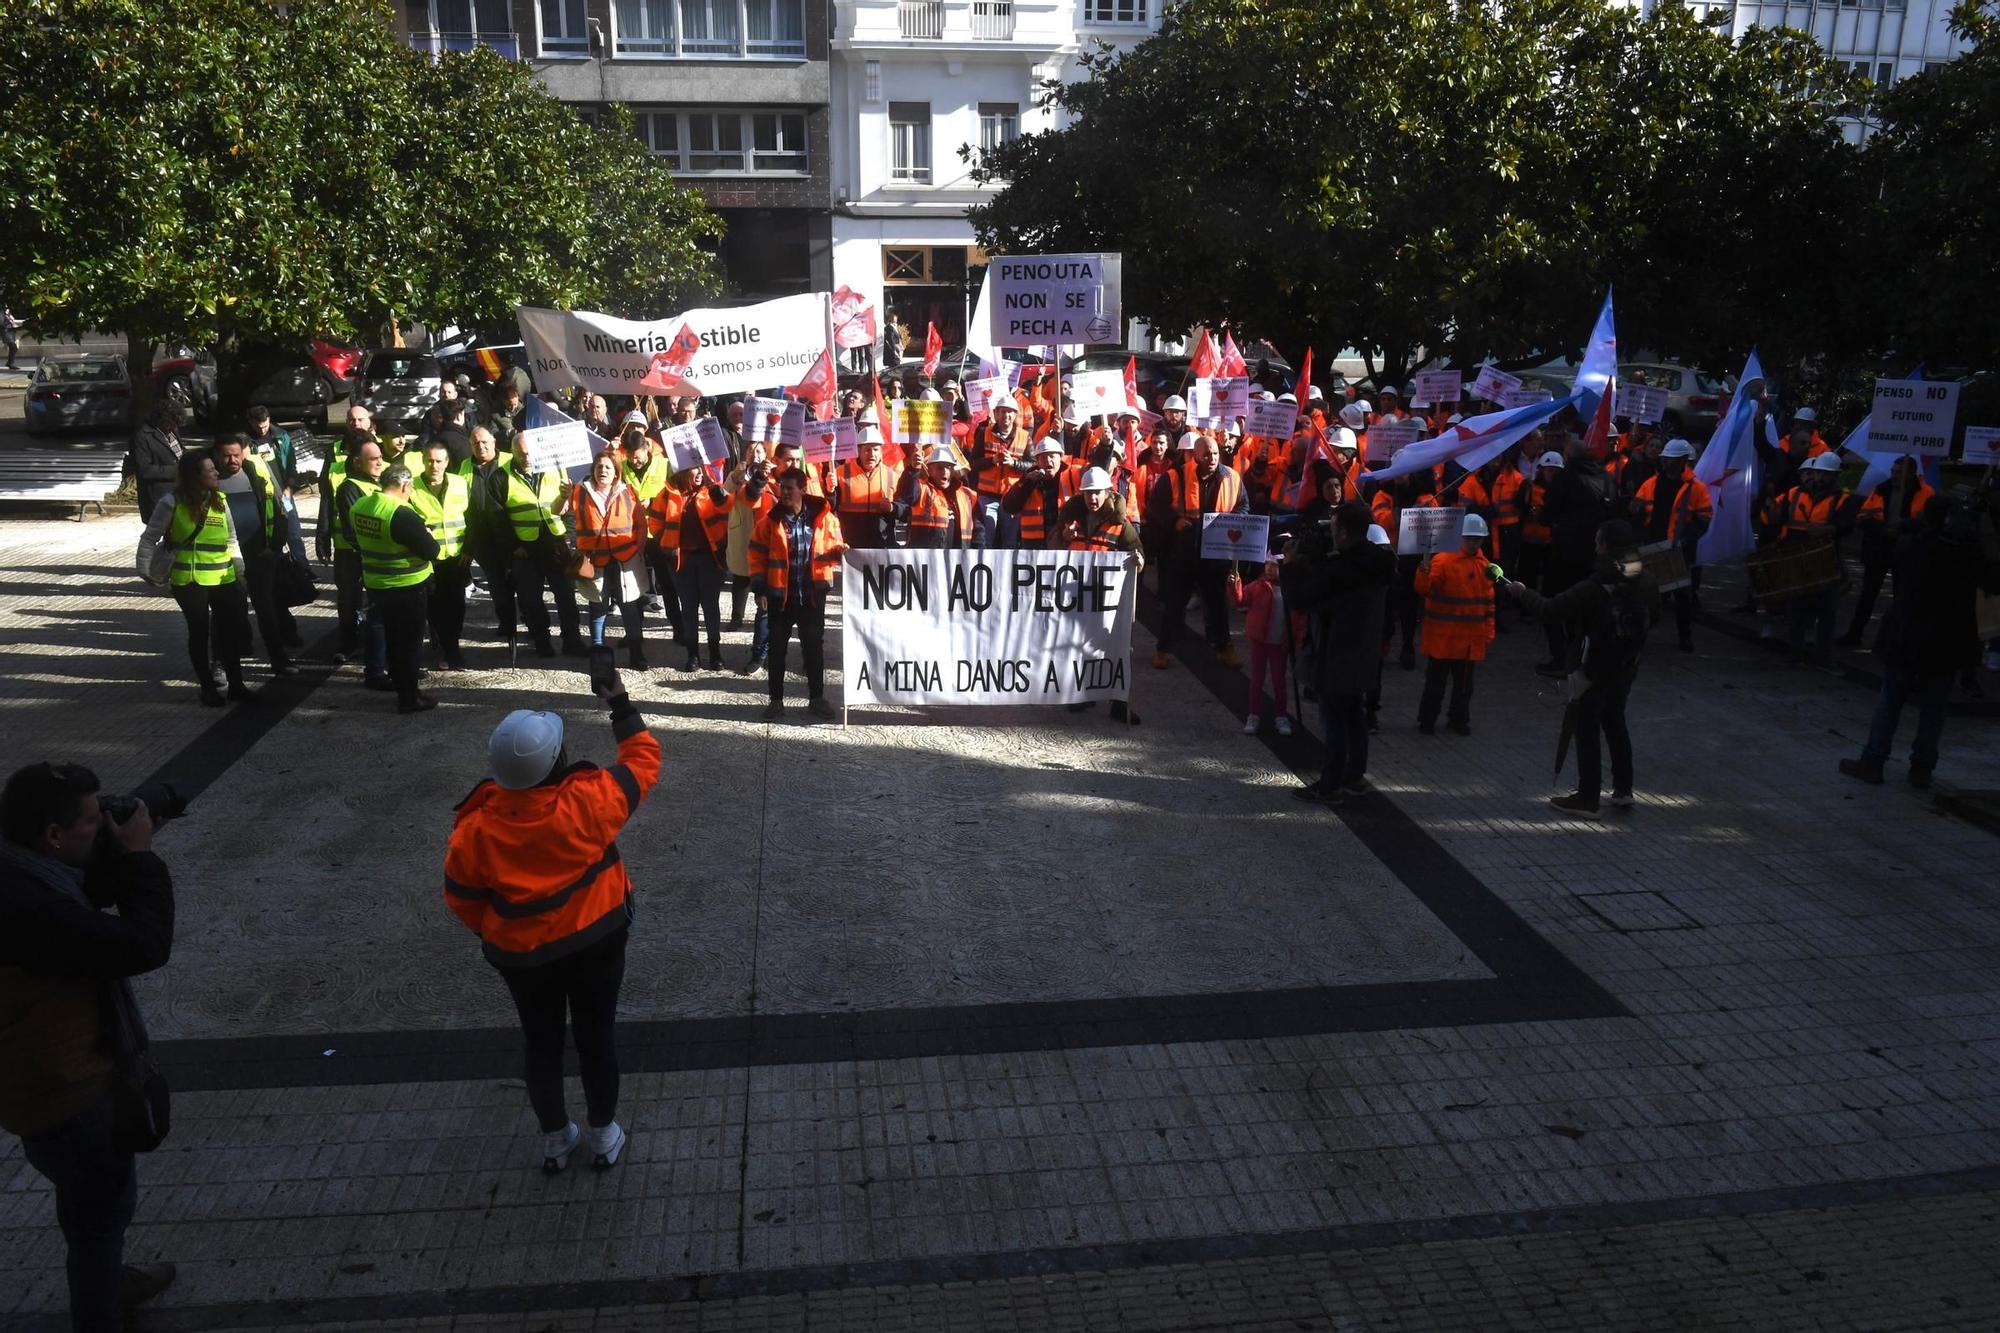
747	347
987	627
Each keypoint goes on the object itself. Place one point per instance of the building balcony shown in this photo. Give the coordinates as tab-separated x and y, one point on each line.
922	20
954	26
993	20
507	45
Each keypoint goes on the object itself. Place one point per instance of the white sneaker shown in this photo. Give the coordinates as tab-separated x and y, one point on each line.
1621	800
1284	725
1250	725
557	1147
606	1144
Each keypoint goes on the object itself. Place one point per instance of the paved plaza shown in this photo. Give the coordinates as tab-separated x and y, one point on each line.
1022	1019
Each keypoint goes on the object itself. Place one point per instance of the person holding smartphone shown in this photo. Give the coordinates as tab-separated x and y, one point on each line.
533	869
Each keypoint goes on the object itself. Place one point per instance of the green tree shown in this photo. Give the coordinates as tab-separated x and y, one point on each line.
236	174
1423	178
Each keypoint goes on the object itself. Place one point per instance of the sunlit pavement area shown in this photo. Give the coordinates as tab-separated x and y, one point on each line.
1014	1018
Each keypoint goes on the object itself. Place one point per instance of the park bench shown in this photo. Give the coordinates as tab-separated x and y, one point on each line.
45	477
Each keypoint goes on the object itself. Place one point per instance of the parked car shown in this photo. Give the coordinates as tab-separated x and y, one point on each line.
91	389
397	384
1694	397
185	377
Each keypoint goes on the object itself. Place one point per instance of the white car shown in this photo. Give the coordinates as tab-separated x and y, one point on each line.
397	385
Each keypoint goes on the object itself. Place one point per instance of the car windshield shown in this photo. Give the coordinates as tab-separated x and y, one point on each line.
1716	384
84	372
415	365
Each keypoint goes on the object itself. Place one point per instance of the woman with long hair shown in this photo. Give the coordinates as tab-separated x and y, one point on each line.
207	575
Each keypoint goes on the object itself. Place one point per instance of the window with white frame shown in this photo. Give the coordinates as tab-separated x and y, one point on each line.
708	29
910	142
564	30
645	27
729	142
1114	11
776	27
460	25
999	123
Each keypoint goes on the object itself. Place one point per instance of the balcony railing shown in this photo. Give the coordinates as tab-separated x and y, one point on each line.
921	18
505	44
993	20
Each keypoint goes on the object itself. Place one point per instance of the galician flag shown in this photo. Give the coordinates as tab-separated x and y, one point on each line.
1473	442
1598	372
1728	467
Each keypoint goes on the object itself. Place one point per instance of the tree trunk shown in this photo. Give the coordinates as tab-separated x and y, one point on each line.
139	364
232	383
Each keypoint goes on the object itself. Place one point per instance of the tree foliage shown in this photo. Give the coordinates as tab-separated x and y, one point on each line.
234	173
1423	175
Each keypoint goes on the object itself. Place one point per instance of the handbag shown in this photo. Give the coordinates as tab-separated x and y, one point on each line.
141	1102
292	583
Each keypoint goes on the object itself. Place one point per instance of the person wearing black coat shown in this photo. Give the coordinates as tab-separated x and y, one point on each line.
1931	632
156	455
1340	580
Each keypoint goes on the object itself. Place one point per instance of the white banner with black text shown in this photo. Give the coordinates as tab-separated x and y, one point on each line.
987	627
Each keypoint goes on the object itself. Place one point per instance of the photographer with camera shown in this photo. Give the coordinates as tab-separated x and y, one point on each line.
1338	578
75	1083
533	868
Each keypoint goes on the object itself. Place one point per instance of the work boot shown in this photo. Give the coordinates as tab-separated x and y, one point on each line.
1867	770
1574	804
693	662
143	1282
823	709
715	659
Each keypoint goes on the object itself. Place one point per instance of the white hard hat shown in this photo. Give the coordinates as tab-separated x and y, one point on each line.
865	417
954	384
1389	391
868	433
1342	438
1125	410
1677	449
1453	419
1354	415
1048	444
941	453
633	418
931	396
1095	479
1550	459
1825	462
1474	526
524	747
1002	402
1284	397
1805	414
1189	439
1313	395
1378	535
1174	403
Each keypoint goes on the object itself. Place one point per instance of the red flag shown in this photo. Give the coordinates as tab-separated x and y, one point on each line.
891	451
1597	436
1232	360
1205	362
933	350
853	319
818	387
1303	390
668	371
1132	399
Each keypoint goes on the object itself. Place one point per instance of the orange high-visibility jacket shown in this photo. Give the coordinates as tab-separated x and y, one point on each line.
1691	502
1187	494
932	511
536	873
1875	509
1458	606
664	515
1035	519
872	491
771	554
990	448
609	533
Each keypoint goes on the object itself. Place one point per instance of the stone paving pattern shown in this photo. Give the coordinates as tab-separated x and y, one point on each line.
1811	970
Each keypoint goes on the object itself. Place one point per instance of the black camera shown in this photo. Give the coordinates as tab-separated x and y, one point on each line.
163	802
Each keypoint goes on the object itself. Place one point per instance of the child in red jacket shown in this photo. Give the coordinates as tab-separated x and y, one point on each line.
1266	625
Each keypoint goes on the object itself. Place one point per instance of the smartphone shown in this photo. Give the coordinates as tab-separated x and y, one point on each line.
603	669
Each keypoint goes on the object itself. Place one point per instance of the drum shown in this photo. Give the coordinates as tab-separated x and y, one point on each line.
1784	570
1667	562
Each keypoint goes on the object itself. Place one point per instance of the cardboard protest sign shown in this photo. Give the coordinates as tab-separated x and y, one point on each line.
1424	531
980	393
771	421
737	348
1982	445
1523	397
1217	401
1387	438
1638	402
1096	392
1913	417
1235	536
1492	382
695	444
1049	300
920	423
557	448
1438	388
828	441
1272	420
987	627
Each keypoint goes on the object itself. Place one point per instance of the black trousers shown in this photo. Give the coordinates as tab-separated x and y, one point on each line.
582	990
1558	576
1406	607
1181	579
347	599
498	566
400	612
699	582
532	574
810	622
1458	671
218	628
1344	727
274	622
445	605
1602	709
1874	572
662	565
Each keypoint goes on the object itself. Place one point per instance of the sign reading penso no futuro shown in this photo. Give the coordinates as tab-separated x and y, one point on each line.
1041	300
987	627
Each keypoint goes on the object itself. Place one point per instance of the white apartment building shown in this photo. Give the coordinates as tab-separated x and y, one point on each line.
913	83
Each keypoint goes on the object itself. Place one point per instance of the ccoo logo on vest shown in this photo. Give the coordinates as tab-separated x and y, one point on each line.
714	351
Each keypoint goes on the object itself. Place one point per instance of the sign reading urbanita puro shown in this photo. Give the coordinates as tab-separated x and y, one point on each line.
1052	299
987	627
1913	417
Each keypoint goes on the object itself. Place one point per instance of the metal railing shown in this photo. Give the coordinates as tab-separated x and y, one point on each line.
506	44
921	18
993	20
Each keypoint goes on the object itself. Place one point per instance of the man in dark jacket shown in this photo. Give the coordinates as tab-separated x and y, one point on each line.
1577	502
1341	580
68	1025
1610	612
156	455
1931	632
